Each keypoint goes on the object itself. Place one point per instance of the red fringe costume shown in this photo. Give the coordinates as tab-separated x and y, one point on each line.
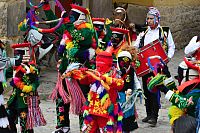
102	111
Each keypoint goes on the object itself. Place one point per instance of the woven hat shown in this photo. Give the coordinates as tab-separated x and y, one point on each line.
100	21
119	30
79	9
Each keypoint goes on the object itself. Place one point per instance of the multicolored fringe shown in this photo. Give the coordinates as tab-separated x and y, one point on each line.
198	116
59	89
77	97
110	128
35	117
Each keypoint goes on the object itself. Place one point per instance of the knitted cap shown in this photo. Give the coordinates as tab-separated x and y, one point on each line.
104	56
154	11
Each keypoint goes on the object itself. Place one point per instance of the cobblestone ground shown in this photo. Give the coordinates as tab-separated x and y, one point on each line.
48	80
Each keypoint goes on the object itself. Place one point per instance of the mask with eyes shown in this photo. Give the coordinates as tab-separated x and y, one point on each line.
116	39
124	64
77	13
124	61
118	35
73	16
99	29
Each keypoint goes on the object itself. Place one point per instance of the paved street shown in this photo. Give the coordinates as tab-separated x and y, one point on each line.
48	80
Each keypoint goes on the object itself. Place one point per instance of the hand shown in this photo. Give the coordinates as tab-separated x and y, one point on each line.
73	66
155	82
165	71
44	1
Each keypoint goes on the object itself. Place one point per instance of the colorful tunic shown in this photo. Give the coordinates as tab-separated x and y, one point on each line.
24	101
102	106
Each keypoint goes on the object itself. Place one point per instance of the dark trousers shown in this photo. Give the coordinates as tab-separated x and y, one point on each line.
151	103
13	115
62	110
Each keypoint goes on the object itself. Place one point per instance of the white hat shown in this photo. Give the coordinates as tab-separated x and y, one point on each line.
124	54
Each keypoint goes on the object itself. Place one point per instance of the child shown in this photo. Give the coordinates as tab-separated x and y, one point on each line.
130	90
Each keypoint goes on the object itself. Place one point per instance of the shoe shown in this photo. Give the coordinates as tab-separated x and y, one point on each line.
146	119
42	51
62	130
152	122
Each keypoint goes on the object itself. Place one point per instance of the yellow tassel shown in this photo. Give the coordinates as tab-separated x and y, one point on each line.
174	113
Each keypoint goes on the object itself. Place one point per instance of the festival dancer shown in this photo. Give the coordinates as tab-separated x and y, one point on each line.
192	52
185	98
131	89
6	66
24	100
102	111
118	41
77	45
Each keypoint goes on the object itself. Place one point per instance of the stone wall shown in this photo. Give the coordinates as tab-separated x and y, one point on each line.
11	12
101	8
182	16
183	21
137	14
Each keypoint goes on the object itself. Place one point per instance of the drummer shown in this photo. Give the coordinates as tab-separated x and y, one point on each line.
153	32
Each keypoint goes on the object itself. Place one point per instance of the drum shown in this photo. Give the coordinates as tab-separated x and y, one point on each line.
152	49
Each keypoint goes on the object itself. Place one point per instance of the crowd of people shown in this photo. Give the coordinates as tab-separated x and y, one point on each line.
97	74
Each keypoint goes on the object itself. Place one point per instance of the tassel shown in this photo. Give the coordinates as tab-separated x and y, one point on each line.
77	97
35	117
59	89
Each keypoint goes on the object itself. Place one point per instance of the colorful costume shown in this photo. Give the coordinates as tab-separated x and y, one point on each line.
153	32
5	63
24	101
129	93
117	42
102	111
184	98
192	52
103	32
77	45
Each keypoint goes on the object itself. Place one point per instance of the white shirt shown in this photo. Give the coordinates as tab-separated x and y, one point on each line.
137	84
152	35
192	46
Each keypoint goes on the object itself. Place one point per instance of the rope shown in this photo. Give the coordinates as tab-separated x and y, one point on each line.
133	96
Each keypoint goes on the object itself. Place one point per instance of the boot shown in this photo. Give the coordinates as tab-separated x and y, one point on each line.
152	122
146	119
62	130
